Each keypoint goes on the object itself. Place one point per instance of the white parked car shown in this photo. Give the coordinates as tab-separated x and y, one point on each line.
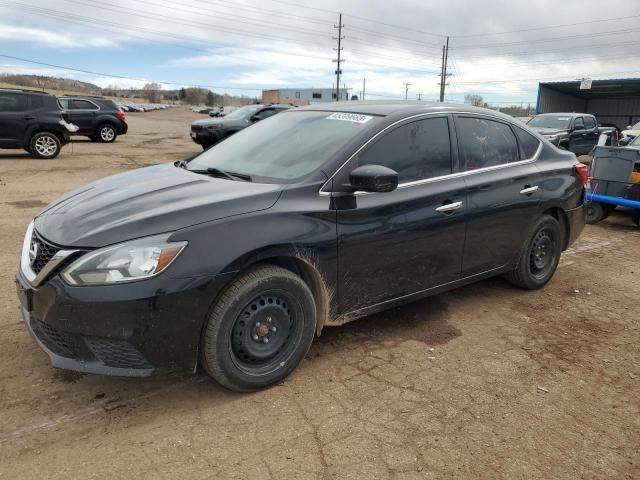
632	131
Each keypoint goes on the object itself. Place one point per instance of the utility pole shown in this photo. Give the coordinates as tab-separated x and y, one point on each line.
406	89
364	87
338	61
443	71
420	96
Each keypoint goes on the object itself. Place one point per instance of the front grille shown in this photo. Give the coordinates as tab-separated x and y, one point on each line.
116	353
58	342
44	253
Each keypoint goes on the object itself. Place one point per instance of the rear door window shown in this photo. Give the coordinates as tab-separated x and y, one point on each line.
486	143
416	151
14	102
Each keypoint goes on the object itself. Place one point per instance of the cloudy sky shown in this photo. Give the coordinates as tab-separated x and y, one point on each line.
498	48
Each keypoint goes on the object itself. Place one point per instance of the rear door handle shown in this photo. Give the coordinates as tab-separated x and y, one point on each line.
527	190
449	207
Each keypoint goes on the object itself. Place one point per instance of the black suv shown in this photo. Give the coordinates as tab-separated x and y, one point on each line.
576	132
33	120
210	132
236	259
98	118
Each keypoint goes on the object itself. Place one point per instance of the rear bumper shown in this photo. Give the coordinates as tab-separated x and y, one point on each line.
123	128
577	218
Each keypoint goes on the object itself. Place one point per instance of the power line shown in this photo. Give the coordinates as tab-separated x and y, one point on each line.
551	39
109	75
99	24
546	27
573	77
350	15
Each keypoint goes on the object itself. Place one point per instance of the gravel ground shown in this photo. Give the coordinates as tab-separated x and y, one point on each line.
487	381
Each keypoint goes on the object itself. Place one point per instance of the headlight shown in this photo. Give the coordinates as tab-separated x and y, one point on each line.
126	262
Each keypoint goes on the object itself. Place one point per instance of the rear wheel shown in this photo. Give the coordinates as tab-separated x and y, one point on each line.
45	145
596	212
540	256
107	133
259	330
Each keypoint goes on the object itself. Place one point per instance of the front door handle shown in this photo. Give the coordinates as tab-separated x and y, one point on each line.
449	207
527	190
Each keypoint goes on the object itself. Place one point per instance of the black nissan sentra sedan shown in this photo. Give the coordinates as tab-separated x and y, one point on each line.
236	259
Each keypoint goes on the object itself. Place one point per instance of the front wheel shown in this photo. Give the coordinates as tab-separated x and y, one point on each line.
259	329
540	256
45	145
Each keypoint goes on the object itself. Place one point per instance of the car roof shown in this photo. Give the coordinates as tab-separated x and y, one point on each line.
565	114
23	90
402	108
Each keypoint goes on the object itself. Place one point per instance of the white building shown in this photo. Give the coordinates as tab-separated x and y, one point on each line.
304	96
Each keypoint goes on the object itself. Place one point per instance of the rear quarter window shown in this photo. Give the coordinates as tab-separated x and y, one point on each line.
528	143
14	102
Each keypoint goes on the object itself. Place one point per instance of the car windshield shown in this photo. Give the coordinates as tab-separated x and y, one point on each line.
284	147
550	121
243	113
636	126
635	142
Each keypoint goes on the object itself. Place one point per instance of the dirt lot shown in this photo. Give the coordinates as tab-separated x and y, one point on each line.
484	382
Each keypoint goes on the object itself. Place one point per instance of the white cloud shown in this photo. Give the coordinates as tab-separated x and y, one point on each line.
52	39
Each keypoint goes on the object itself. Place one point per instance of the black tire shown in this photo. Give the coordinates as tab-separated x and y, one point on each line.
45	145
540	256
259	330
107	133
635	216
596	212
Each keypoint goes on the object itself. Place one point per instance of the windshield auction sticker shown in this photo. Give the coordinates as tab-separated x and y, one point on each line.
349	117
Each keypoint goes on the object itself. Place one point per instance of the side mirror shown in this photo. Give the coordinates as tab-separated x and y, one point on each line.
255	118
373	178
578	127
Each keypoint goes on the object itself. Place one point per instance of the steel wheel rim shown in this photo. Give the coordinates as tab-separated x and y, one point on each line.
107	133
265	333
542	252
46	146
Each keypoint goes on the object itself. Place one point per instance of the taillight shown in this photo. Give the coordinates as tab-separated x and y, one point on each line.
121	115
583	171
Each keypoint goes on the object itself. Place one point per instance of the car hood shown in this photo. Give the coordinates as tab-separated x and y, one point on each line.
630	133
145	202
221	121
548	131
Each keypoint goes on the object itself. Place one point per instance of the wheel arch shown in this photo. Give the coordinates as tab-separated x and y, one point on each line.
305	263
559	214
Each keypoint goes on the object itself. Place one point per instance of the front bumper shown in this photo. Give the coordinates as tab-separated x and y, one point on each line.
137	329
206	137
